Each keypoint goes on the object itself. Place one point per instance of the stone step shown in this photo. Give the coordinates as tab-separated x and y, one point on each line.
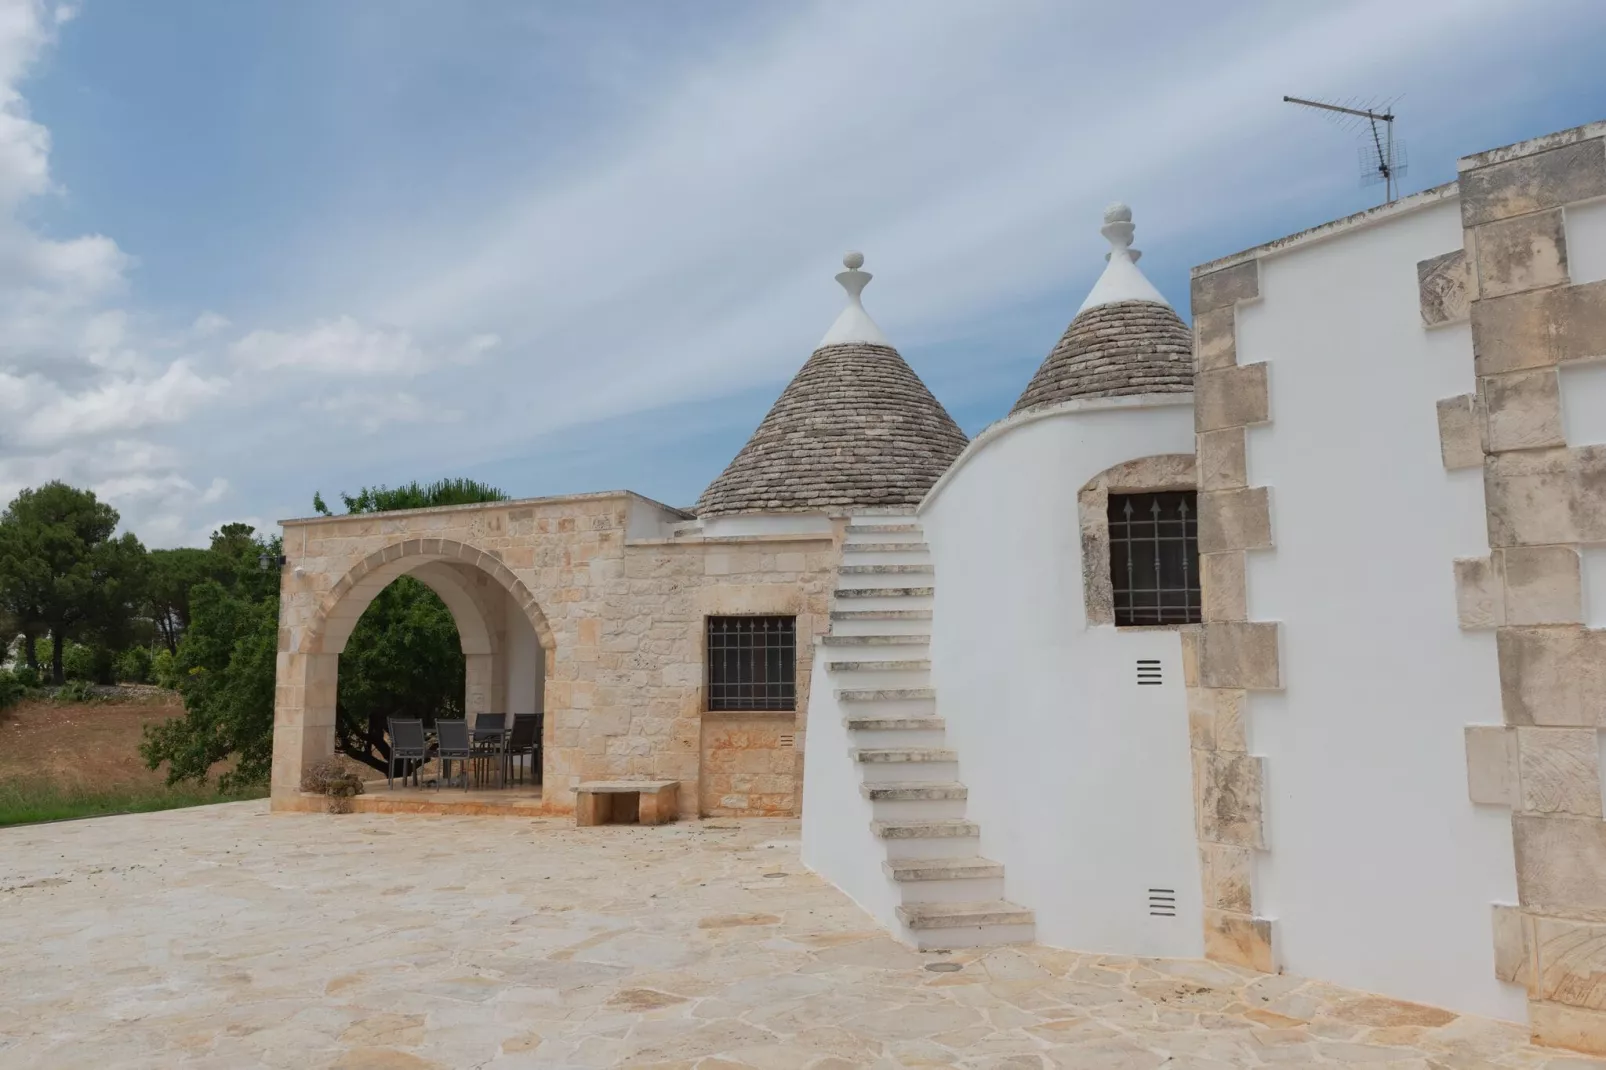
905	639
914	790
942	869
887	570
878	546
880	755
989	912
874	723
881	614
889	665
861	555
886	694
947	828
857	526
884	592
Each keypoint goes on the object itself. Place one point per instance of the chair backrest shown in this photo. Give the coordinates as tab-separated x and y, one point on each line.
407	737
489	720
453	734
525	729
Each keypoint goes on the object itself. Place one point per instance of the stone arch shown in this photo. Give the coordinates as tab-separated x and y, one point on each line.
1160	472
339	610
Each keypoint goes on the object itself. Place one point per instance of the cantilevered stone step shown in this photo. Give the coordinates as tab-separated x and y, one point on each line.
939	829
882	755
884	694
911	639
879	547
884	592
887	570
881	614
883	529
915	723
913	665
913	791
942	869
963	915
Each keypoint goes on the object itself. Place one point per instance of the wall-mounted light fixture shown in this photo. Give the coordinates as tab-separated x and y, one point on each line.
266	562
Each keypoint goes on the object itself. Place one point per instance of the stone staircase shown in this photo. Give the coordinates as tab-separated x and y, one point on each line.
878	657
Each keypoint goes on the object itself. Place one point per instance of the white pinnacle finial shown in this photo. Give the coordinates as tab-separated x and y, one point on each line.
1121	281
854	324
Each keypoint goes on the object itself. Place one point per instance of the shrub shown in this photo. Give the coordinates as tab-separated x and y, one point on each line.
11	690
78	662
79	691
332	778
134	666
27	676
164	670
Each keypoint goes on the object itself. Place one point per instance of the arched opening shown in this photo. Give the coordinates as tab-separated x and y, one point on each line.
504	637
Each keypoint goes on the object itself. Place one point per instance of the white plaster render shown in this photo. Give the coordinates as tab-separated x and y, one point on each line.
854	323
1367	768
1032	696
1121	279
1586	241
1583	402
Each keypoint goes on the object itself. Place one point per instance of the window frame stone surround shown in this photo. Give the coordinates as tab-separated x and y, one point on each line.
1142	475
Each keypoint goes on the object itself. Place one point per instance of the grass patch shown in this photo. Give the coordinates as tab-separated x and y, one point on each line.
22	802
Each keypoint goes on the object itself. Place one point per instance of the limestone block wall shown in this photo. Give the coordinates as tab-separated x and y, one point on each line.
619	621
1228	656
1532	319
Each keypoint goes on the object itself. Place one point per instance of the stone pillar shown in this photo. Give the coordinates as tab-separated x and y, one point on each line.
1544	499
479	684
303	717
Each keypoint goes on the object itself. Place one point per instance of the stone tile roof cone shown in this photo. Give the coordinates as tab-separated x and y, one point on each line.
854	429
1125	339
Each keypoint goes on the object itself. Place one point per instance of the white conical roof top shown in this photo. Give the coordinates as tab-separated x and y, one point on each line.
1121	281
1124	340
854	324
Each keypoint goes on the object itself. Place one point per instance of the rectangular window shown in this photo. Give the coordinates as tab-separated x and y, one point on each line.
1154	558
752	663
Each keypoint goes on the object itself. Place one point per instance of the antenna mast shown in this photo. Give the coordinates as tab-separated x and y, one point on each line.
1382	157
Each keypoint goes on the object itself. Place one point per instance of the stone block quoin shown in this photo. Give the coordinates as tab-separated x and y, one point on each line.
1228	655
1543	499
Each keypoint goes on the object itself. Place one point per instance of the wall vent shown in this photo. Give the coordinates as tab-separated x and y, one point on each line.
1148	670
787	741
1162	902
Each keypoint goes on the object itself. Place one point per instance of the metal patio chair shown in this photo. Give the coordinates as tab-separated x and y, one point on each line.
454	745
407	746
524	739
490	743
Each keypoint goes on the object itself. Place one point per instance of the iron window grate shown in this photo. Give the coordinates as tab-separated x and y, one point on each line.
1154	558
752	663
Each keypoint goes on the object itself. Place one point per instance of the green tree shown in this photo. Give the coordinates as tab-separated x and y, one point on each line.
414	495
173	574
62	566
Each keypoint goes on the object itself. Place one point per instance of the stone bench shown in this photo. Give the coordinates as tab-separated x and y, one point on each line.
626	802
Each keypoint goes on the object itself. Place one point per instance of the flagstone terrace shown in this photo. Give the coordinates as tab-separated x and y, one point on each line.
226	936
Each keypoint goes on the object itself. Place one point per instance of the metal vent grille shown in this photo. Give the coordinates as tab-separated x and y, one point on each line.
1162	902
1149	671
787	741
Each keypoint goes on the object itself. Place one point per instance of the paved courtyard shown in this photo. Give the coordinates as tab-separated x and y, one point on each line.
227	937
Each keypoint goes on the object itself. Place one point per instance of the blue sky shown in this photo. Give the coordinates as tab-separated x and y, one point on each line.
253	250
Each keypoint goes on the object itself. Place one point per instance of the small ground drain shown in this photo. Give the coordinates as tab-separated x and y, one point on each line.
944	967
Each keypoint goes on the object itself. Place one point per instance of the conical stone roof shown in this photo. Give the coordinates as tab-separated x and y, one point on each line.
855	428
1124	340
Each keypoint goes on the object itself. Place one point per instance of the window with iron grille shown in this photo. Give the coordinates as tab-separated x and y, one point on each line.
1154	558
752	663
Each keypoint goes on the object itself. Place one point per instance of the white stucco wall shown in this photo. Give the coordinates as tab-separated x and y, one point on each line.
1079	778
1380	873
837	841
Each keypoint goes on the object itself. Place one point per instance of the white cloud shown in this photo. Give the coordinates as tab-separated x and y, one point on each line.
343	346
372	410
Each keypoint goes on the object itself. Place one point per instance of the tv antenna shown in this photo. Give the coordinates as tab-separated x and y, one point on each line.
1382	158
